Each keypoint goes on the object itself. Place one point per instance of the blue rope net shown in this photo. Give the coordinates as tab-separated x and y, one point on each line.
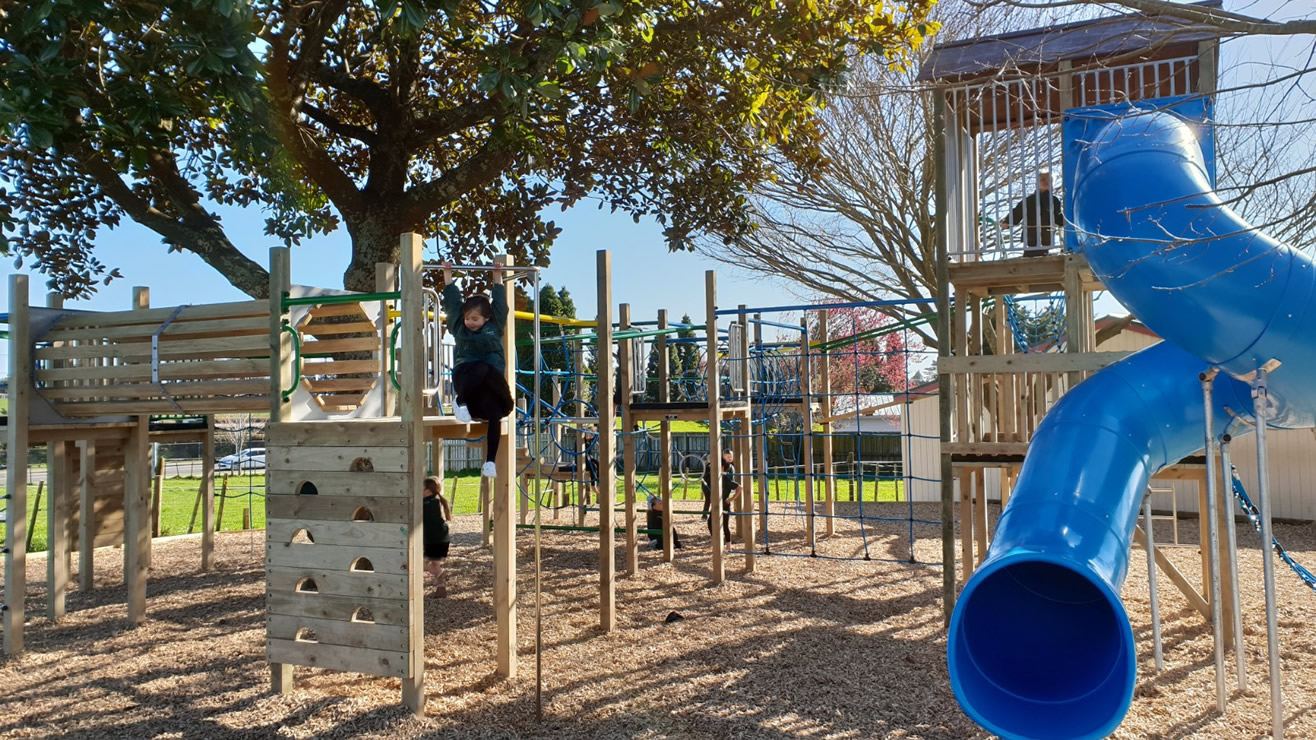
1254	516
1040	328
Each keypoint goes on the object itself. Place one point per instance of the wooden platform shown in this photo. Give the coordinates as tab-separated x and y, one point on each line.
1020	275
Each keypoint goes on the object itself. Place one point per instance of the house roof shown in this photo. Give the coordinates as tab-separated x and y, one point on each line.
1133	34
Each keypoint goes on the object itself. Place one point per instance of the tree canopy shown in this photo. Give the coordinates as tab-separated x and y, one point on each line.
462	120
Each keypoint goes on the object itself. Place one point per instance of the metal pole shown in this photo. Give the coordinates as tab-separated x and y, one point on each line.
534	463
1240	660
1260	407
1213	536
1150	544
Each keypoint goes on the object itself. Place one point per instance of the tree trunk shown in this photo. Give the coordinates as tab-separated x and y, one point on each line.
374	239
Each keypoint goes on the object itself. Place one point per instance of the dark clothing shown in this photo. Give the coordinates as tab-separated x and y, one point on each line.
485	345
1039	213
729	486
482	389
726	518
437	536
653	521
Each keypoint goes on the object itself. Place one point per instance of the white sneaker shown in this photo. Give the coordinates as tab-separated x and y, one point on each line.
490	470
462	413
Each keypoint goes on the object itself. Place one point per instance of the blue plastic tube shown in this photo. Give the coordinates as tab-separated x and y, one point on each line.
1040	645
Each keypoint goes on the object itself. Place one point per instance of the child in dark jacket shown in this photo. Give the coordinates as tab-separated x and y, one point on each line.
436	512
477	324
729	486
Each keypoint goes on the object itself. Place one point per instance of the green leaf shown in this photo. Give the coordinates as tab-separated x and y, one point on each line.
40	137
609	9
550	90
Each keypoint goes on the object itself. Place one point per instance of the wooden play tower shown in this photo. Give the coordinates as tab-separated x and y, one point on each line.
1000	105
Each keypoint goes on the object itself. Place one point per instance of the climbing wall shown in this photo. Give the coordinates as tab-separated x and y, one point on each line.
342	558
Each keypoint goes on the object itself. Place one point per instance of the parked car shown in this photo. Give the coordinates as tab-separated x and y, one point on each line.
249	459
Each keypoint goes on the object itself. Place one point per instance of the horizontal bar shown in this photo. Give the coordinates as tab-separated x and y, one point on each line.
570	528
339	299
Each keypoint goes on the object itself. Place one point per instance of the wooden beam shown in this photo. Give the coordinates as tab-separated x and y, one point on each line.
208	497
137	522
607	471
503	487
411	375
1195	600
20	368
280	374
87	515
58	493
714	417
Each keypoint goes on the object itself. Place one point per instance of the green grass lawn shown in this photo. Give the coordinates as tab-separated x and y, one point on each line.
179	497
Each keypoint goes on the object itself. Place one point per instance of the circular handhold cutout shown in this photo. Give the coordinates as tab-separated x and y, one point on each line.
362	465
362	565
363	615
362	514
305	634
302	537
307	488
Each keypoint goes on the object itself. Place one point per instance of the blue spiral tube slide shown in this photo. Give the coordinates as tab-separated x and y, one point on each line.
1040	646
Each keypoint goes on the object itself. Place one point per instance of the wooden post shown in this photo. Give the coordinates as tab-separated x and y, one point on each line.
763	451
281	674
136	523
20	370
57	512
745	449
665	441
386	281
57	543
137	501
945	322
624	361
966	522
806	414
714	428
980	512
410	401
829	472
246	518
157	493
208	497
607	440
504	505
86	515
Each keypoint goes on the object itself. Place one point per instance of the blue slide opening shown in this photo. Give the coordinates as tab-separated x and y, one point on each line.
1058	662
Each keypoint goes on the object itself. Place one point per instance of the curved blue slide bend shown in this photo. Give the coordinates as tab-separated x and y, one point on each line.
1040	645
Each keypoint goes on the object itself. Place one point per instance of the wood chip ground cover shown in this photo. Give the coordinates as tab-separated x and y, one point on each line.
802	647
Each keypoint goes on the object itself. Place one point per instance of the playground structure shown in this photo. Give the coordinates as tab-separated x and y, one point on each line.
349	434
1122	108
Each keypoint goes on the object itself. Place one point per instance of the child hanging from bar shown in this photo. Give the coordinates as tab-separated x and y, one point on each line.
729	486
478	369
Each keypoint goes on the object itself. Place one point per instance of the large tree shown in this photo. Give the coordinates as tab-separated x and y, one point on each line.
455	118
